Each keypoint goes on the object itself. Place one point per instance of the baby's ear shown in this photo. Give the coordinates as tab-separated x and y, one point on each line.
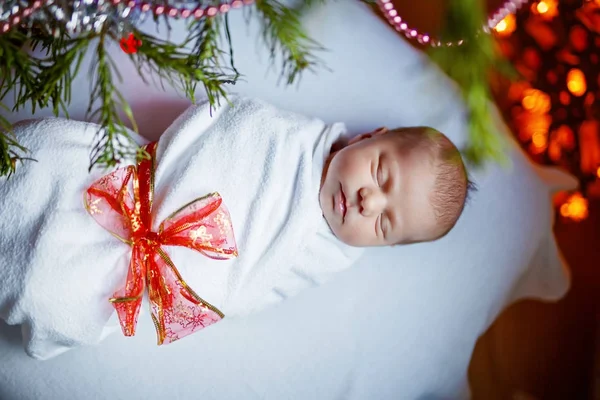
338	145
380	131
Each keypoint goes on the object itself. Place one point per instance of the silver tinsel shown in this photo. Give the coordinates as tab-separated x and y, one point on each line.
85	16
74	17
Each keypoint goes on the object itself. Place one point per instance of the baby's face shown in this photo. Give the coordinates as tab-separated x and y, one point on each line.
375	193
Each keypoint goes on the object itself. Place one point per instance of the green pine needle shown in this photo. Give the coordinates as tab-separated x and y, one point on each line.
284	35
201	60
47	81
206	59
113	144
57	72
470	65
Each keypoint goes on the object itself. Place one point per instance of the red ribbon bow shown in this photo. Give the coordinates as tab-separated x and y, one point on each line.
121	202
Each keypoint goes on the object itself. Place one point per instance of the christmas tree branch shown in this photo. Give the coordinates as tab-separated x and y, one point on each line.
47	81
470	65
9	148
206	58
57	71
17	70
113	143
283	34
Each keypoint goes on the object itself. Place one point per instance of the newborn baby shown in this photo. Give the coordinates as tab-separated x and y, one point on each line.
300	200
385	188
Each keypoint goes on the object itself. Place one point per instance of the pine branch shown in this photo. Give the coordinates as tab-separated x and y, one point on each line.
470	65
47	81
17	69
113	144
9	148
206	58
283	34
57	72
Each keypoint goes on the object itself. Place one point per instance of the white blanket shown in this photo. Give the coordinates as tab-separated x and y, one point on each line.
58	267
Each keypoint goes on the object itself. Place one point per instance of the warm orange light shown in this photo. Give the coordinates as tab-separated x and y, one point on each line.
598	170
515	92
554	151
501	27
536	101
548	9
579	38
565	137
536	150
506	26
539	139
576	82
531	124
575	208
578	207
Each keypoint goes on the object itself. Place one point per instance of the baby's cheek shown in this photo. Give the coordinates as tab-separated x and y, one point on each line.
357	233
348	166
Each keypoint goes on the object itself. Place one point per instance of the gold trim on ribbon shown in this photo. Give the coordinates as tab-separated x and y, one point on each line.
199	299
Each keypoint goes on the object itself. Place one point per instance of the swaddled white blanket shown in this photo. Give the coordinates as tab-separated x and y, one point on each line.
58	267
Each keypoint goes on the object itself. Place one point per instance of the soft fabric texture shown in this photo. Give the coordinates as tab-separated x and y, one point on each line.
265	163
402	322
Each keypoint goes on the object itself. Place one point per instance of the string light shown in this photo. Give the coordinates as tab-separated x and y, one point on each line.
565	137
390	12
507	25
547	9
576	82
536	101
19	15
575	208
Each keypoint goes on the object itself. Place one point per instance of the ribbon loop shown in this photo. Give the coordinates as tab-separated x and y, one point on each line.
121	202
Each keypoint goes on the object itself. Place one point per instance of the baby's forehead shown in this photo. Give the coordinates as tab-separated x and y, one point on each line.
389	142
396	148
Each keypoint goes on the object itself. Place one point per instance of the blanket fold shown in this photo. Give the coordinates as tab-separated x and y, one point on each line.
59	268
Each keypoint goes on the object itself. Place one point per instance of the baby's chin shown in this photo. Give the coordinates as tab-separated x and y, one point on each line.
332	225
343	237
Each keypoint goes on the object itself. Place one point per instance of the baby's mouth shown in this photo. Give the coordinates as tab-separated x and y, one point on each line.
341	203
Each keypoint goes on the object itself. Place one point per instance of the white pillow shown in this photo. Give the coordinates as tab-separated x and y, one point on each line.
403	322
429	302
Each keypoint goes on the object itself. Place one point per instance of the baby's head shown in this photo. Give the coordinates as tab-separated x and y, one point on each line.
401	186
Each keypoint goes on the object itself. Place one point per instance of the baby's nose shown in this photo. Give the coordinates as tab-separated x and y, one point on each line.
372	202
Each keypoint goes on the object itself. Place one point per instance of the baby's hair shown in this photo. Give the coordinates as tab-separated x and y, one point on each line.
452	184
